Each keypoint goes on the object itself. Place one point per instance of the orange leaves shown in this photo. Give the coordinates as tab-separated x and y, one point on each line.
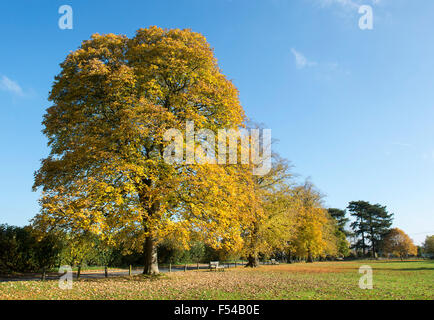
397	242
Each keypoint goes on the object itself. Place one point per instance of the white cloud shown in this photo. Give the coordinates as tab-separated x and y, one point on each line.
11	86
301	61
323	70
349	4
428	155
345	3
401	144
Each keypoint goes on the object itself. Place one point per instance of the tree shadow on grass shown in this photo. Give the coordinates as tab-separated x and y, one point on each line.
406	269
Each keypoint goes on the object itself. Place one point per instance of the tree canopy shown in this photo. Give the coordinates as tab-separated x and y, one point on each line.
428	245
371	224
113	101
397	242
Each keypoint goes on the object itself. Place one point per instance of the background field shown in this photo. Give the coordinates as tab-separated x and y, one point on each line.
320	280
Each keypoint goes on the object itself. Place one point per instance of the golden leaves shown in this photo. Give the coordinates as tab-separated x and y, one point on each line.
112	102
397	242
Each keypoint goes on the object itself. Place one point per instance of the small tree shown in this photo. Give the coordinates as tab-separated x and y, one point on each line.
78	249
428	246
397	242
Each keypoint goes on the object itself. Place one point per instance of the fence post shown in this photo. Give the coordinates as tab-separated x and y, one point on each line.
185	267
105	272
130	271
170	267
198	266
43	274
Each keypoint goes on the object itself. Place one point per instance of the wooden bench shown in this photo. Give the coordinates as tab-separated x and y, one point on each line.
214	265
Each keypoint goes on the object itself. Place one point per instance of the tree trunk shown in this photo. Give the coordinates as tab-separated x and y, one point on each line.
150	245
288	258
374	246
252	261
363	244
309	257
150	254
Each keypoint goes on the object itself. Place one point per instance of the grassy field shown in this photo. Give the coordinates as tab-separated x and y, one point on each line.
321	280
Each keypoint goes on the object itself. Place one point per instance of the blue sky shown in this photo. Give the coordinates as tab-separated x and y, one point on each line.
352	109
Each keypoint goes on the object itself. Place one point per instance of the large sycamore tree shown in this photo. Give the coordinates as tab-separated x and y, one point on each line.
112	103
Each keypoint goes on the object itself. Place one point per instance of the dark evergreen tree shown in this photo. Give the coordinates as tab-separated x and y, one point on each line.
371	224
379	223
341	220
358	209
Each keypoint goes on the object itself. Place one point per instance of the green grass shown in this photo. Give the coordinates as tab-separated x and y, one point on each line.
320	280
